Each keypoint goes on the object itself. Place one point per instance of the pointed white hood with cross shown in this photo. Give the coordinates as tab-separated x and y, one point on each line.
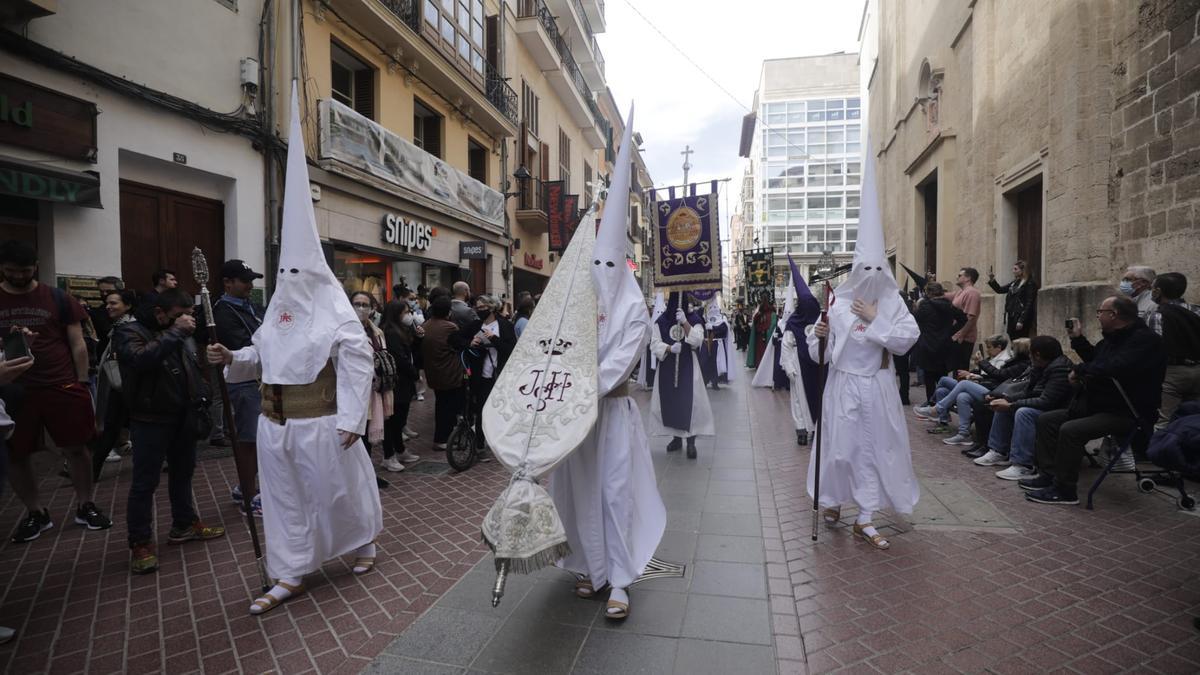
308	306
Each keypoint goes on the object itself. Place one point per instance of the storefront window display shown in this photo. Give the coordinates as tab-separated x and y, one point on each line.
364	272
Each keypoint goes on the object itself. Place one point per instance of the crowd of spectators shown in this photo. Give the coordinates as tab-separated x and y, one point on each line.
1031	412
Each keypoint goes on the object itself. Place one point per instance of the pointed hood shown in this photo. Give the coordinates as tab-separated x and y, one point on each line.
807	309
714	316
667	319
309	305
660	306
619	300
870	277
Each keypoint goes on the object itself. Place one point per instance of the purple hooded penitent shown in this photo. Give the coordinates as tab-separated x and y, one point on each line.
807	312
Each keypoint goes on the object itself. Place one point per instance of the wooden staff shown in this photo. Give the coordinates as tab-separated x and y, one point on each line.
821	344
247	467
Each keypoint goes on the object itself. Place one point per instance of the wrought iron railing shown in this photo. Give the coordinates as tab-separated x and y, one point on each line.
495	88
538	9
532	196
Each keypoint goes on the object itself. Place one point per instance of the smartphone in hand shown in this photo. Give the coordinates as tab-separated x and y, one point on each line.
15	346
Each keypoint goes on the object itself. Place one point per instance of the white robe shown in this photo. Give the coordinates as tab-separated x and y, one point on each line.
789	360
702	418
647	362
319	500
866	459
765	375
607	495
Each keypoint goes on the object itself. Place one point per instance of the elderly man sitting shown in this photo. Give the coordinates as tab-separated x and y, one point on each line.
1133	356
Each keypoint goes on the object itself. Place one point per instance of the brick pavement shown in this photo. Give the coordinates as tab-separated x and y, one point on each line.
1068	590
77	608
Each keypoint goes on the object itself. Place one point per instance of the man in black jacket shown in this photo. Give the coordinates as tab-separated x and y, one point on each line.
1012	438
1131	354
167	397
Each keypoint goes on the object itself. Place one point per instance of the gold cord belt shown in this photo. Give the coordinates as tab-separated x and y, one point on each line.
283	402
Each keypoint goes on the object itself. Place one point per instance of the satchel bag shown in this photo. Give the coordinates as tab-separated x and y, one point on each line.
385	367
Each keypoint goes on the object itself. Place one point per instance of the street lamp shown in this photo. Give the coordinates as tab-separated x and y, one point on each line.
522	175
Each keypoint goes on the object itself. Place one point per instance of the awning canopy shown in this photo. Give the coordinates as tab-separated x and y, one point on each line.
47	183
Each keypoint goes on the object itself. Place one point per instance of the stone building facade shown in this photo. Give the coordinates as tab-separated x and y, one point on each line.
1063	133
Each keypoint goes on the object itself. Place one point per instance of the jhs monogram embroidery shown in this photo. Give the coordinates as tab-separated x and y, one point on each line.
545	389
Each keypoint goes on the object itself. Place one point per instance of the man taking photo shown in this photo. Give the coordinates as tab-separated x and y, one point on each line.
54	394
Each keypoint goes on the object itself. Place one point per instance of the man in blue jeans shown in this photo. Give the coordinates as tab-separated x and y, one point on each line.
1014	424
167	398
963	391
237	318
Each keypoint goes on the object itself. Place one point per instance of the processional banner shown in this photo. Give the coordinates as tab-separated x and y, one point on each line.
688	244
759	276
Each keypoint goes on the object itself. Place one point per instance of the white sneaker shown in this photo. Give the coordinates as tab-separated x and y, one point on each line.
408	456
958	439
6	634
439	446
420	396
392	464
113	456
1017	472
992	458
409	434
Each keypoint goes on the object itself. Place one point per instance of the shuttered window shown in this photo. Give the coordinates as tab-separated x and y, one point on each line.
352	82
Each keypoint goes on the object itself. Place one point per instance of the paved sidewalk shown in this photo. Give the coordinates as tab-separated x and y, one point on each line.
76	607
714	620
1008	587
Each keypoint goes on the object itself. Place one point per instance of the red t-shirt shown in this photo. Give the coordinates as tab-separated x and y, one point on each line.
40	312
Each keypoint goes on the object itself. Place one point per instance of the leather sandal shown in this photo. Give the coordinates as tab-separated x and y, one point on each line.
362	565
268	602
583	588
832	515
875	540
621	610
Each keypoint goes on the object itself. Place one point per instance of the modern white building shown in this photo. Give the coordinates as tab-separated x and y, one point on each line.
803	147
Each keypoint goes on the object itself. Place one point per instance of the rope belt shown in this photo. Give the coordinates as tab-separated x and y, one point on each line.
283	402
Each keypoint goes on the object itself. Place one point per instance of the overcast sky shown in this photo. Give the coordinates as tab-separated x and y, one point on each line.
677	104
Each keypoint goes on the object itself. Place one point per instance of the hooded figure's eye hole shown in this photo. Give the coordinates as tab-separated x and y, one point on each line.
294	271
609	263
281	270
595	262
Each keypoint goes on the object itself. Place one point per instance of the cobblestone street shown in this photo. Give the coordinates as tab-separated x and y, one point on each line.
978	581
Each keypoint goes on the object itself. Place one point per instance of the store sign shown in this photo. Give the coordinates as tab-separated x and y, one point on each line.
533	261
407	232
48	184
356	141
472	250
45	120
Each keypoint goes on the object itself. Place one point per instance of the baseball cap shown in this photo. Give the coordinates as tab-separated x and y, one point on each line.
237	269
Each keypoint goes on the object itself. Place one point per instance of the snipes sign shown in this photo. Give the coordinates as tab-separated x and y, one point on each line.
407	232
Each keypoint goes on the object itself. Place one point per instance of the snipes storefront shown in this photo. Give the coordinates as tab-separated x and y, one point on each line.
392	214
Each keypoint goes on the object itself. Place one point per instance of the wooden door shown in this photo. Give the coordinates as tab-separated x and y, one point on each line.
1029	234
930	193
479	277
159	229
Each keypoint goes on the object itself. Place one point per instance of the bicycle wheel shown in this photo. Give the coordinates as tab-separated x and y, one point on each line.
460	446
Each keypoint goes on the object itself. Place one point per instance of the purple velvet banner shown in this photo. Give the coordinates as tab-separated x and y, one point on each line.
689	244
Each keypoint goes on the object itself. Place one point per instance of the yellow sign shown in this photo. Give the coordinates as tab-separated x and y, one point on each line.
684	229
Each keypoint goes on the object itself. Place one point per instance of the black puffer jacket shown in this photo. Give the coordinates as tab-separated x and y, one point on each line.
1048	388
993	376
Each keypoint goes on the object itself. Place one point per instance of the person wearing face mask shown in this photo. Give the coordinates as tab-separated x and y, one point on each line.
492	341
866	459
1136	283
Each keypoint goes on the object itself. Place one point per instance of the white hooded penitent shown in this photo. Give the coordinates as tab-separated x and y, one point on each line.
308	305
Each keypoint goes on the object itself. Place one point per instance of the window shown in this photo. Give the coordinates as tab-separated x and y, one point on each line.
564	160
427	128
477	161
587	186
816	111
352	82
457	26
529	107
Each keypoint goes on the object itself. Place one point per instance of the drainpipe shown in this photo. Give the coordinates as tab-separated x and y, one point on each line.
271	167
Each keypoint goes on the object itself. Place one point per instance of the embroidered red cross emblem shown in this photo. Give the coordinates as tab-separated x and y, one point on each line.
860	328
285	318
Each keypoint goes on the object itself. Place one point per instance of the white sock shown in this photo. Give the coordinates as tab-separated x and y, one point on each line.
618	594
864	517
278	592
364	551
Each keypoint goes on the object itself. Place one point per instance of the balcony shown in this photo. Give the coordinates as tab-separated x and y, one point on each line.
400	27
577	32
594	10
593	68
540	34
531	205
